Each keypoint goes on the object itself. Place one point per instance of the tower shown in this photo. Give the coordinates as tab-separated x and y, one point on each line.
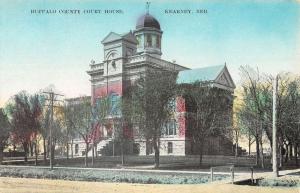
117	47
148	35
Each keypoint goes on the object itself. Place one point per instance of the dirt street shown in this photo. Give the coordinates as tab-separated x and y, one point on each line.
18	185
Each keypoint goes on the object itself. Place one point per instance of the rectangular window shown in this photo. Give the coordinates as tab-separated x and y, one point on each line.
157	42
114	104
154	41
170	147
149	40
149	148
139	39
76	148
170	128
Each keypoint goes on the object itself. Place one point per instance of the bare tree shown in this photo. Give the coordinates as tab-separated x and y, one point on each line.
291	128
151	95
45	125
69	128
253	113
102	111
83	122
24	111
215	120
256	114
4	132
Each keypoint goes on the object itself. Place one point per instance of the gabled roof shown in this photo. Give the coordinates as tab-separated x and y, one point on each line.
199	74
112	36
129	37
219	76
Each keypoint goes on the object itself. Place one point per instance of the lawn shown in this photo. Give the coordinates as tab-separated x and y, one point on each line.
109	175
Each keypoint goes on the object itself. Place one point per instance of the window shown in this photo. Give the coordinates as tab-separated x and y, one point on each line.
136	148
154	41
139	39
170	147
114	99
149	148
148	40
158	42
76	148
170	128
172	104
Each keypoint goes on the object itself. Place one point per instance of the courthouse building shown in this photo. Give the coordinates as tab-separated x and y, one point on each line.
126	57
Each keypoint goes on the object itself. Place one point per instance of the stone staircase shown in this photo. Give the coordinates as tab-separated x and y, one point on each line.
100	147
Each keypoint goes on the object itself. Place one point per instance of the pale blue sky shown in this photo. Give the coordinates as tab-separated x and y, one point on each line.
38	50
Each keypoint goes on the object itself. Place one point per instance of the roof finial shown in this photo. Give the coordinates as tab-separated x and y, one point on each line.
147	6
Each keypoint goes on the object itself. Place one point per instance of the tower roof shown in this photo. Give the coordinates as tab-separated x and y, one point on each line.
218	75
147	20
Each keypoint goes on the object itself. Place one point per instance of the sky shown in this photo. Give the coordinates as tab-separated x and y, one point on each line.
38	50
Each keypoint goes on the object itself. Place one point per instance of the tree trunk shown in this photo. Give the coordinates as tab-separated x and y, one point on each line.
262	155
286	153
96	150
31	149
201	152
257	151
52	153
36	153
25	147
290	151
280	155
236	143
93	154
296	154
249	146
48	147
53	149
1	153
86	154
72	154
122	153
236	149
156	153
45	151
68	151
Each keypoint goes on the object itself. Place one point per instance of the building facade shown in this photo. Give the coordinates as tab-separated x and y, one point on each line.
126	57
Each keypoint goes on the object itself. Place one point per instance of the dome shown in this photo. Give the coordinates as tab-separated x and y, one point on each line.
147	20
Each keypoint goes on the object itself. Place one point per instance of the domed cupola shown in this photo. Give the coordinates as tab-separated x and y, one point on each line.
148	35
147	20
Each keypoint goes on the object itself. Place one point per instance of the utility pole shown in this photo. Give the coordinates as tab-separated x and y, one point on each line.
274	137
51	99
51	128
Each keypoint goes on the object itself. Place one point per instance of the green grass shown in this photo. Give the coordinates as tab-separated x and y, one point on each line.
292	182
108	176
